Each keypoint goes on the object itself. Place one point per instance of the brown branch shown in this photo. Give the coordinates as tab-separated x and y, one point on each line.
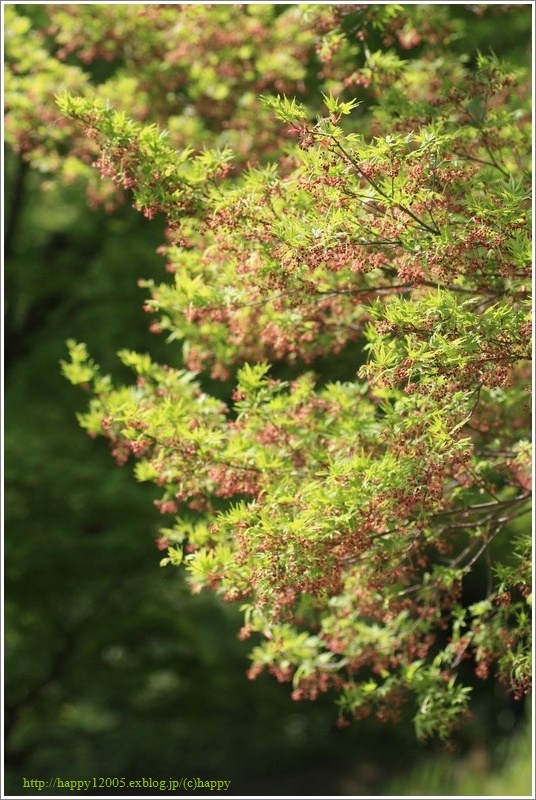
421	223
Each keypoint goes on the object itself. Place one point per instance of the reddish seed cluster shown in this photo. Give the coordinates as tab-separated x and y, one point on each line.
311	688
166	506
230	482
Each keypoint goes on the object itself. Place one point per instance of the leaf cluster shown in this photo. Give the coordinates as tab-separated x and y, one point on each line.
345	516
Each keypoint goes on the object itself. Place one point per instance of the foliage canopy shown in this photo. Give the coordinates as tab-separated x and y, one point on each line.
340	186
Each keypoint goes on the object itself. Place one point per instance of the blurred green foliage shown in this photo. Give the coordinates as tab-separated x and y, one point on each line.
506	771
